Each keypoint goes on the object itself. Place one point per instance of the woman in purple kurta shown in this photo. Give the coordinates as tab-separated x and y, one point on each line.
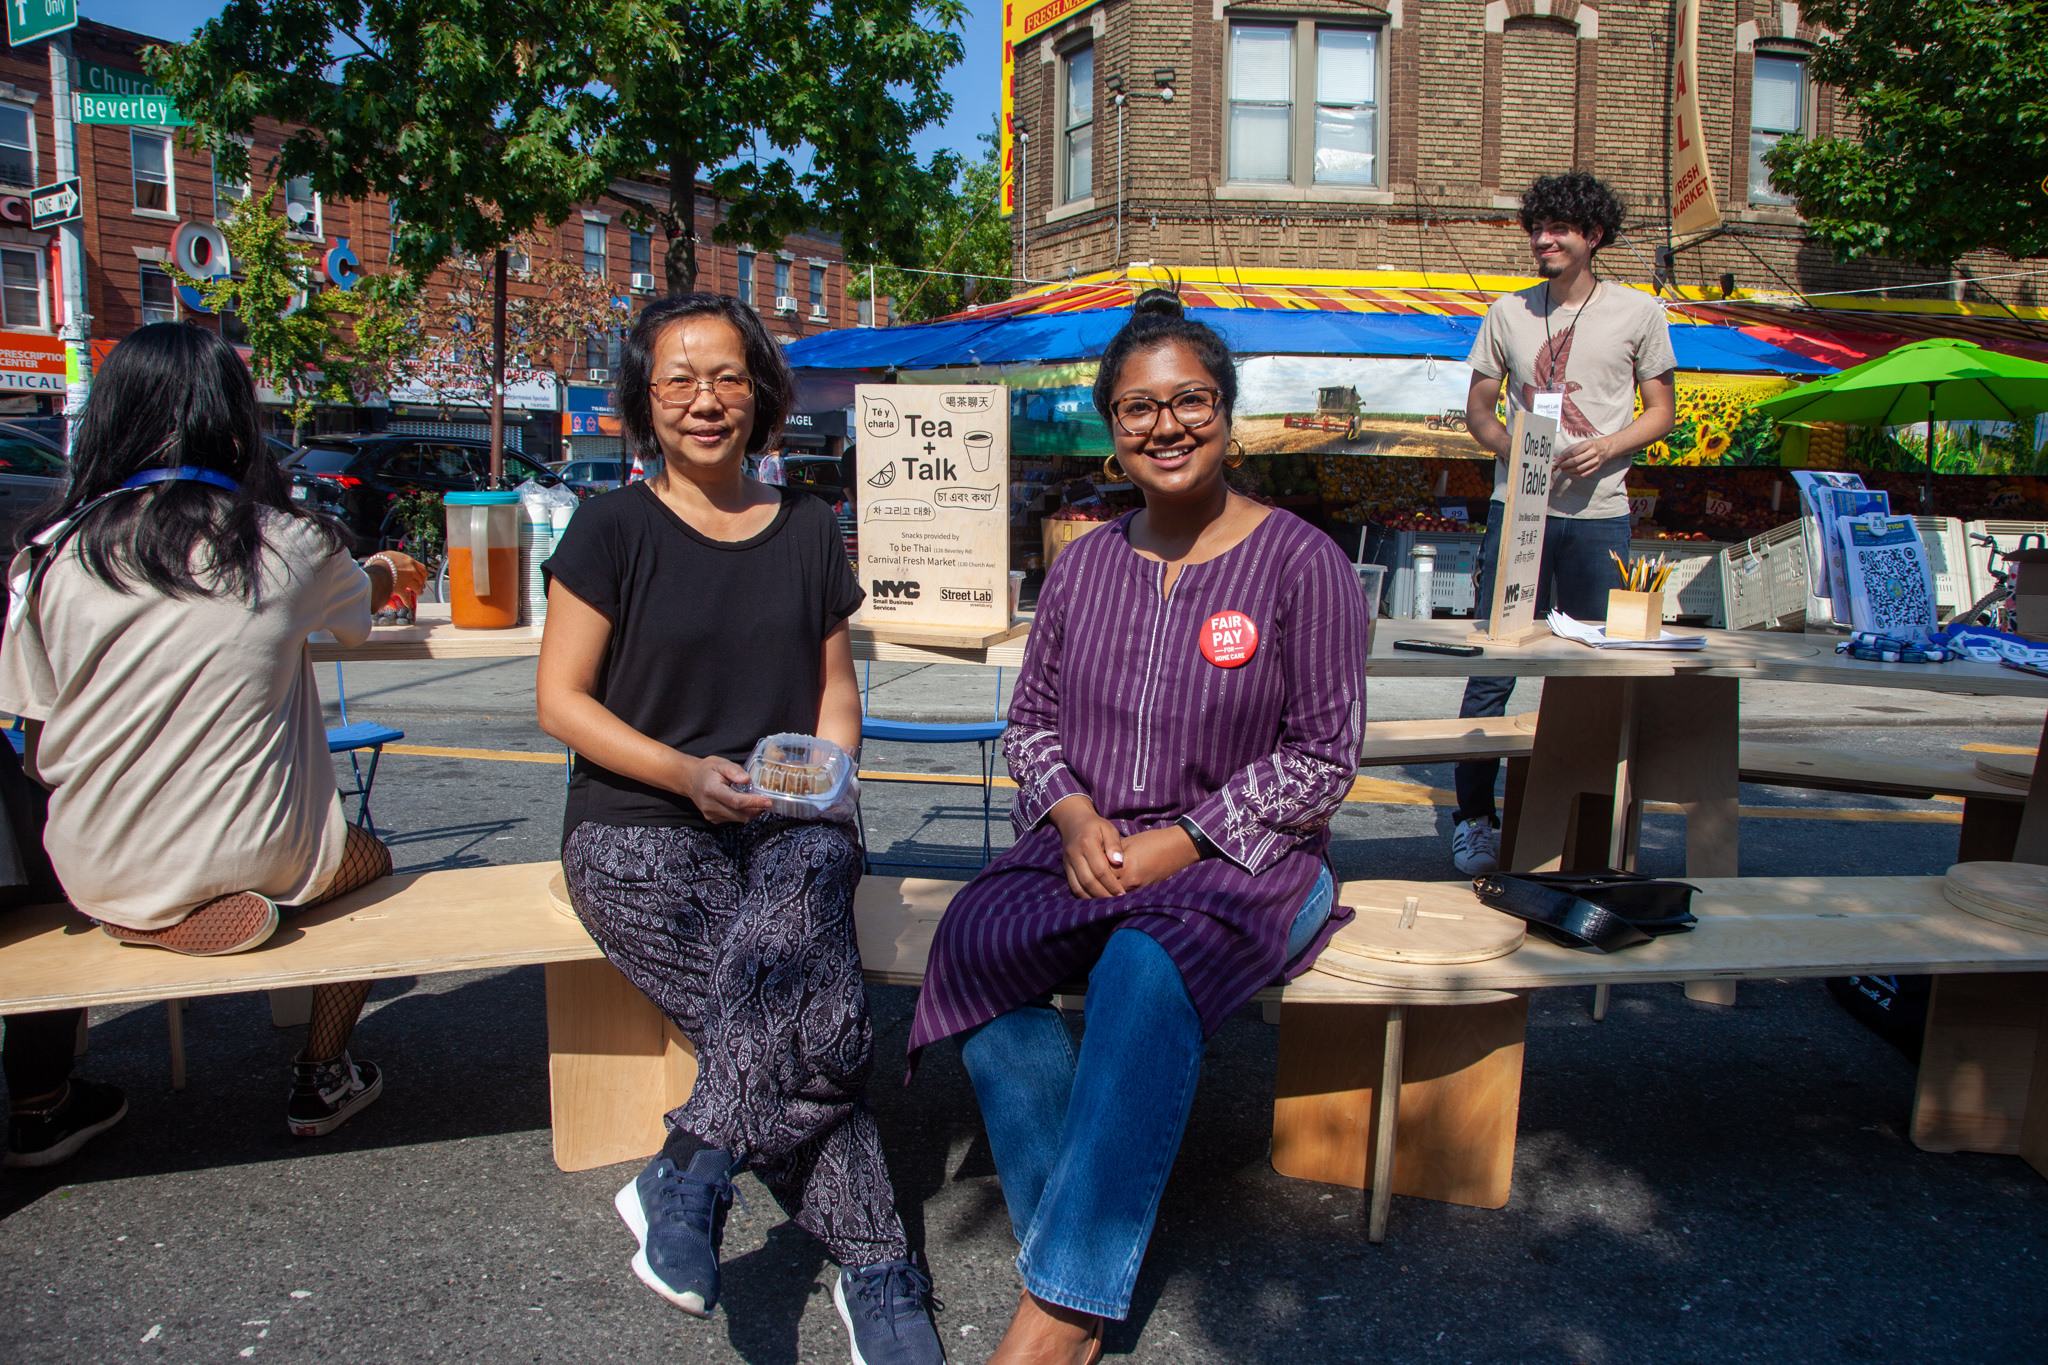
1186	724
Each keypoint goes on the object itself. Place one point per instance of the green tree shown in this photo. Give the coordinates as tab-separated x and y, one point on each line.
966	236
797	113
470	116
295	329
1953	150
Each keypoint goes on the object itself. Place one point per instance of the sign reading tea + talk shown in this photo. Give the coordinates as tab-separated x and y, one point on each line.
934	498
1511	615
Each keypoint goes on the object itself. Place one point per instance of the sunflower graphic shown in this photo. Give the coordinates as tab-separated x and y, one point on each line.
1713	442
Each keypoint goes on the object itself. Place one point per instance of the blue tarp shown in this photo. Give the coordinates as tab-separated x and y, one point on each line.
1043	337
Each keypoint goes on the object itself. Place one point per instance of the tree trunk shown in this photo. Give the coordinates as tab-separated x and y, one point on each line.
680	258
500	265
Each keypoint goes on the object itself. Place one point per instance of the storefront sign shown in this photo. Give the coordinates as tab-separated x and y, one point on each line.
591	413
1693	205
1511	616
107	94
1021	19
830	423
934	498
31	363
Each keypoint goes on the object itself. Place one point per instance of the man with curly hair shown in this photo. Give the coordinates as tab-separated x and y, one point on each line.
1576	349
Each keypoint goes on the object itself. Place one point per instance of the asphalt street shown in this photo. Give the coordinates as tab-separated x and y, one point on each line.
1692	1182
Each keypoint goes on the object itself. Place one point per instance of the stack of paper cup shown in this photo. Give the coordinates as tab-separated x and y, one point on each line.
536	543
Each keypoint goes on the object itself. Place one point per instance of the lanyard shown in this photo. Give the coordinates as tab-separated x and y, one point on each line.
184	473
1549	349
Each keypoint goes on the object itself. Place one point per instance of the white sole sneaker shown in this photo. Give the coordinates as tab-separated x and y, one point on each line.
323	1126
846	1318
627	1203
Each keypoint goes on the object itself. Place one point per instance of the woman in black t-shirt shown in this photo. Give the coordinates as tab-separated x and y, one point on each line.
688	617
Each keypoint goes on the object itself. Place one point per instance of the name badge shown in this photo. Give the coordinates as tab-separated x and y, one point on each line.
1229	639
1549	403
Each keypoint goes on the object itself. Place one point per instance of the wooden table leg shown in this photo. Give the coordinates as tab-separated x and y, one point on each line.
2031	845
1983	1083
615	1066
1460	1094
1511	808
1388	1126
1991	829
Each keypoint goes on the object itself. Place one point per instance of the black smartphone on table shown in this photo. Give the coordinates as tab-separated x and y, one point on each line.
1432	647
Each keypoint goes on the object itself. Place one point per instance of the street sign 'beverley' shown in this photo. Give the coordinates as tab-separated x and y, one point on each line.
54	204
28	20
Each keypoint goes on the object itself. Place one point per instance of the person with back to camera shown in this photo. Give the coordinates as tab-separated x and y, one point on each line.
156	644
1186	723
1576	349
690	615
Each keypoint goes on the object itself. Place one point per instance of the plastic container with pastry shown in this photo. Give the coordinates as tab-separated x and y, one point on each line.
801	775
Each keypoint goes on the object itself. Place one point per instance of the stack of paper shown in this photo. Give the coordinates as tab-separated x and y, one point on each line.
1566	628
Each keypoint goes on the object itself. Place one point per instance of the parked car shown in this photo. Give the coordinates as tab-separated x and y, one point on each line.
589	477
817	475
32	473
357	478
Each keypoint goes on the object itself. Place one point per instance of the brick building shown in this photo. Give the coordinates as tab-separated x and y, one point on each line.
141	183
1396	134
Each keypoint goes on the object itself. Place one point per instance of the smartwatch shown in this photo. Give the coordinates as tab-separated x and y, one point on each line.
1204	848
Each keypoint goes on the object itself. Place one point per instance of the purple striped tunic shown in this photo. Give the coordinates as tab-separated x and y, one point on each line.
1116	701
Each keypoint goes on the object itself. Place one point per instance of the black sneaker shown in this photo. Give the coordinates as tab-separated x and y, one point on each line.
44	1137
678	1217
888	1309
326	1094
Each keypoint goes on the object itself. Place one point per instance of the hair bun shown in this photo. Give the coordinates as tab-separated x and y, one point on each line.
1158	303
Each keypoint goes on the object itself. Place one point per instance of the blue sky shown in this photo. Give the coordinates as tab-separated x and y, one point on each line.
974	84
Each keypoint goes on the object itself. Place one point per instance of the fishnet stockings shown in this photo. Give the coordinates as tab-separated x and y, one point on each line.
335	1008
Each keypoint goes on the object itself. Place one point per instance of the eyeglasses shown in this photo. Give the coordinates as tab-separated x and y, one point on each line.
1192	408
681	390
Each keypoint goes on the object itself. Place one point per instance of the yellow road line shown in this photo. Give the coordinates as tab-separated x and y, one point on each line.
2001	749
1370	791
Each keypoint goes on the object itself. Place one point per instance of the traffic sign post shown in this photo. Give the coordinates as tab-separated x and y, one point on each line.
63	202
29	21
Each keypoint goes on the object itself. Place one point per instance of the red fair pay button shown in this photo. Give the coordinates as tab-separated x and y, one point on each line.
1229	638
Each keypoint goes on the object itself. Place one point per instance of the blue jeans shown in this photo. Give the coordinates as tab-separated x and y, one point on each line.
1575	574
1083	1144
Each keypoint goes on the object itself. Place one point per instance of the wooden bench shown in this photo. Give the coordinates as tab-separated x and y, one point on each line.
1991	808
1391	743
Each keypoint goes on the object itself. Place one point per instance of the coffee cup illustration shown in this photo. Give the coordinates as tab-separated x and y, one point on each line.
979	446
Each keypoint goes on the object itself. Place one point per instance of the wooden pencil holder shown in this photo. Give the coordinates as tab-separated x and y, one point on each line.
1634	615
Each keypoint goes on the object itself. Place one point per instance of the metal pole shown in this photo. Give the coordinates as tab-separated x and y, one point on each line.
500	261
874	304
1024	205
1119	260
76	326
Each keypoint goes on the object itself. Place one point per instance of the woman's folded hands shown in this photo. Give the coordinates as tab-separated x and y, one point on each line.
1100	862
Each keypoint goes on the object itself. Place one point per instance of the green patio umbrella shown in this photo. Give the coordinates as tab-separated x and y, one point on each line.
1943	379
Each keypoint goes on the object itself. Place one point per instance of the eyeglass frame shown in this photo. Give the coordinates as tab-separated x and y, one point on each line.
697	386
1215	406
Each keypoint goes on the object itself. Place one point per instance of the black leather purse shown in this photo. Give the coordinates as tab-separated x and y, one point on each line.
1601	909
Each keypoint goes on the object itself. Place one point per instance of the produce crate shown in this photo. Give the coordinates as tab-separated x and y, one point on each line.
1453	585
2010	536
1694	588
1060	534
1763	581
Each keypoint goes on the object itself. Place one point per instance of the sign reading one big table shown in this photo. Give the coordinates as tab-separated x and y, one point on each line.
934	498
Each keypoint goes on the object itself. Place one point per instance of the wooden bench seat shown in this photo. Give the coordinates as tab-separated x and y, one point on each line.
1991	810
1391	743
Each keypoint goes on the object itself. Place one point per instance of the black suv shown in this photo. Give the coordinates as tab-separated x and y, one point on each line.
357	478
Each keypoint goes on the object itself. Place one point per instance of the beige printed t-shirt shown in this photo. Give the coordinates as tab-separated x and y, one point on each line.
183	738
1620	340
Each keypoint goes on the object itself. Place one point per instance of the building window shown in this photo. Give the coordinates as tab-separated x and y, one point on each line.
151	154
1777	108
640	253
746	277
17	147
227	193
1261	103
302	208
593	248
782	288
21	290
1347	106
159	299
518	263
818	290
1077	167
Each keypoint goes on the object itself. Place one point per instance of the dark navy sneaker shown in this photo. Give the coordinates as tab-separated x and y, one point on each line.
44	1137
327	1094
678	1217
888	1309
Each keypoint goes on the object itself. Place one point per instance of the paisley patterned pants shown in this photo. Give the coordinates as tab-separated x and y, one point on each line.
744	937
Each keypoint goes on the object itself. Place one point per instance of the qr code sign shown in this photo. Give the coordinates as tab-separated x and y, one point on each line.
1896	583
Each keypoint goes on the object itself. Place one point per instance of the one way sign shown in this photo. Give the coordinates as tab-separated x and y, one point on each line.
54	204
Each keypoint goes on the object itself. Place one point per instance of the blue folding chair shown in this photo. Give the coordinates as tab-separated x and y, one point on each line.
983	733
352	740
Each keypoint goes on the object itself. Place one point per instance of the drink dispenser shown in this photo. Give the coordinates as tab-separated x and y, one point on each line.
483	559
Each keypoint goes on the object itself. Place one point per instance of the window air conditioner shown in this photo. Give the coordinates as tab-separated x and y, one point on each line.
785	303
600	376
818	313
643	282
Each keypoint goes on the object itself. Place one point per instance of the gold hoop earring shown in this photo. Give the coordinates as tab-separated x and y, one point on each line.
1113	471
1237	460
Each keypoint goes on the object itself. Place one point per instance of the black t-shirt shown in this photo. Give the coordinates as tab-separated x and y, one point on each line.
714	643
